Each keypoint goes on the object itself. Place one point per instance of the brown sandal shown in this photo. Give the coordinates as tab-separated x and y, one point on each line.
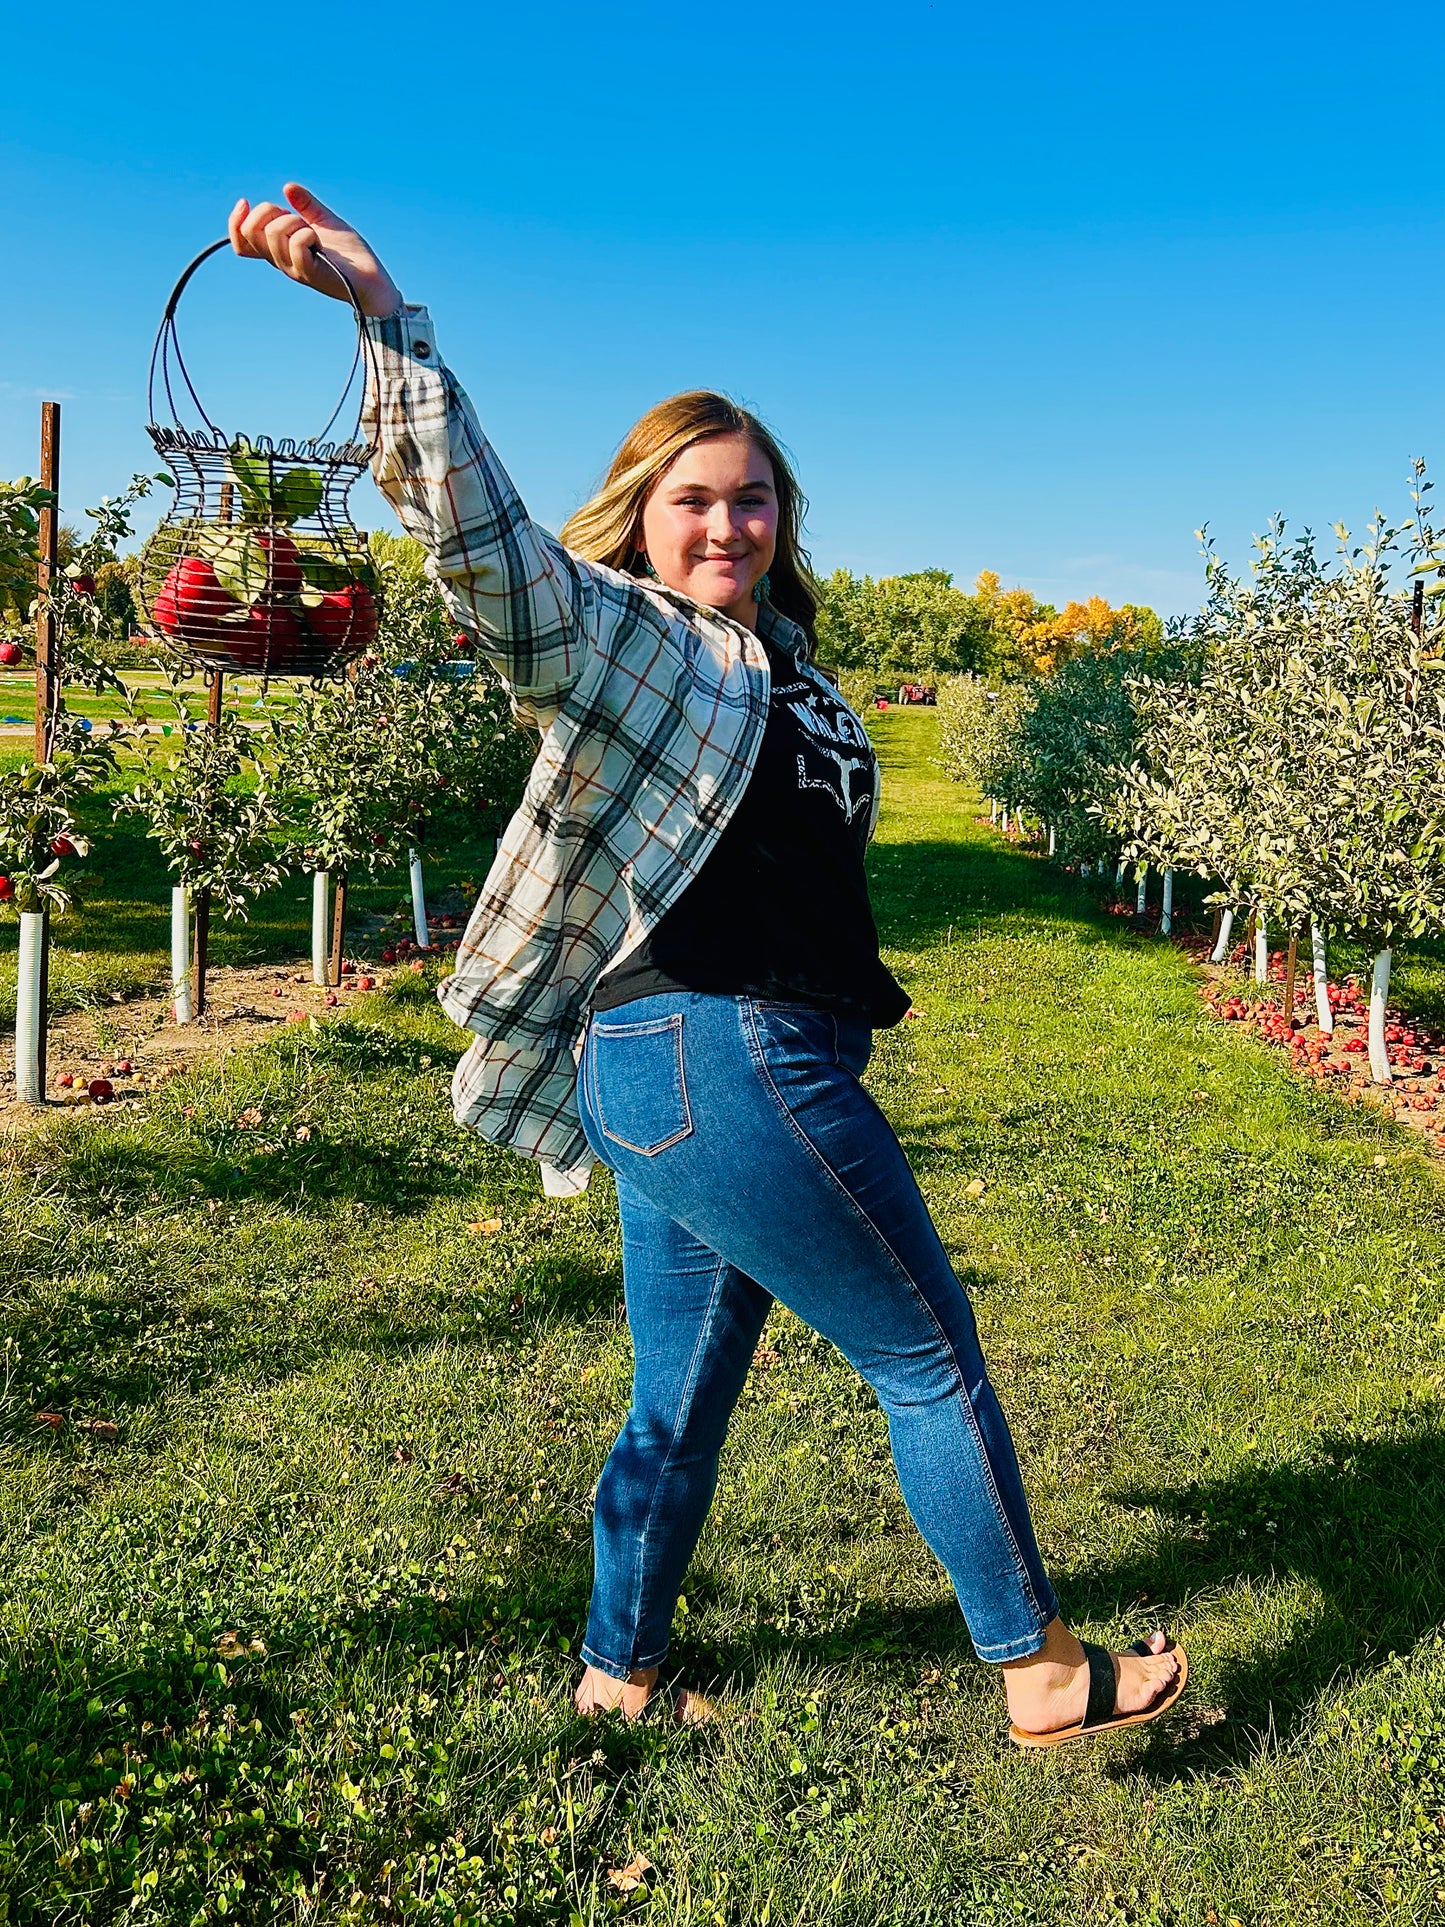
1100	1715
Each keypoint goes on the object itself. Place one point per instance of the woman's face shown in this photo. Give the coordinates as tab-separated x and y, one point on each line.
710	527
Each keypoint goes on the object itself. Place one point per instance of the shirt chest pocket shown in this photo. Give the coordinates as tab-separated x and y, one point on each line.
639	1086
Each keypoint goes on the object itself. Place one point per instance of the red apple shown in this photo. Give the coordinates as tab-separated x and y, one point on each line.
330	999
61	846
100	1089
387	956
283	565
7	889
164	613
65	1080
273	633
9	653
124	1068
83	584
366	983
199	598
345	618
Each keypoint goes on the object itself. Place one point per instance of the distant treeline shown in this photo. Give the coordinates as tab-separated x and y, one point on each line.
904	628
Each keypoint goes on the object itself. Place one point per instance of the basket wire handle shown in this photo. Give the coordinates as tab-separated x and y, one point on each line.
168	347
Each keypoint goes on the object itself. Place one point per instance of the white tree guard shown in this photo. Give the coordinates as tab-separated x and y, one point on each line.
992	810
418	902
1003	820
1379	998
29	1037
1221	942
1053	845
1141	896
1166	915
1324	1016
182	989
1119	873
1261	951
320	926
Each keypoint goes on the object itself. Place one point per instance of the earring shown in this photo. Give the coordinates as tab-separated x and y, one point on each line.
648	570
762	589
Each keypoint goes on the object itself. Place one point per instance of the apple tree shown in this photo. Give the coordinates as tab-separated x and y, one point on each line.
1307	773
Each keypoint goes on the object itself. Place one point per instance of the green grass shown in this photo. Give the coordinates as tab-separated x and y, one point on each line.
297	1644
149	686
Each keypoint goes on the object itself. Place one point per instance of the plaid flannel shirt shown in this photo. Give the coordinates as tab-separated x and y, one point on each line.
651	710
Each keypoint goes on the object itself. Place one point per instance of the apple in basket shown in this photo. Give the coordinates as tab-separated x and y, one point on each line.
192	604
345	618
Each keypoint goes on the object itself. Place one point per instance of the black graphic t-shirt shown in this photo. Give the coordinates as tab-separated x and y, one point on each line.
780	908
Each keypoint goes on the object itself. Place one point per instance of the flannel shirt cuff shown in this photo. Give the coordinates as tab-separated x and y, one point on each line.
404	336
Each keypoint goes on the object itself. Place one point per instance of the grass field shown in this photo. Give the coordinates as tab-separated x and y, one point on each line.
292	1596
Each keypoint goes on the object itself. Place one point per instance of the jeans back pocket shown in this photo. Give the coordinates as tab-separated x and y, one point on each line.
638	1087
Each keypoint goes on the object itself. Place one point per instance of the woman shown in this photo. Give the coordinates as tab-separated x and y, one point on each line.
673	968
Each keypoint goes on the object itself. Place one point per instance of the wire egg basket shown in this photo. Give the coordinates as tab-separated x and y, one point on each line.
257	566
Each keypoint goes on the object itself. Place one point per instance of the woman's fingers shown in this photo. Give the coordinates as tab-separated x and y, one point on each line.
289	237
234	228
300	245
314	210
283	239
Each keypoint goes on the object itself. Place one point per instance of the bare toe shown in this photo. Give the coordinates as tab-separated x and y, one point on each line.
1144	1680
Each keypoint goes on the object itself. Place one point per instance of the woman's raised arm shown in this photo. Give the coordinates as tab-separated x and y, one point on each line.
508	581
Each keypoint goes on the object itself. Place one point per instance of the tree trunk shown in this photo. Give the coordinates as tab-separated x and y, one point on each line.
1324	1016
1261	949
183	1001
1379	997
1141	896
1221	942
1053	843
1119	874
1166	917
30	1012
320	925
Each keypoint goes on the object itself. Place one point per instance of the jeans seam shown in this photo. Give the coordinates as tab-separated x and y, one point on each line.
760	1058
684	1407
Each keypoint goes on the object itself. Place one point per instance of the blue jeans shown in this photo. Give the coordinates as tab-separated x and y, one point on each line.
751	1165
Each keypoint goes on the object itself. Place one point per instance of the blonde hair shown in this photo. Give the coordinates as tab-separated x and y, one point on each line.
608	528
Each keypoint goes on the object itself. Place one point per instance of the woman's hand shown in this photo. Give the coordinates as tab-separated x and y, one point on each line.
289	240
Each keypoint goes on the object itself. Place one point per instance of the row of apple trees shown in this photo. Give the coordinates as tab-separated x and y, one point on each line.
1287	746
344	778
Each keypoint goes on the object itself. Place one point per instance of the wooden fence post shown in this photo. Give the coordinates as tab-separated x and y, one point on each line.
338	929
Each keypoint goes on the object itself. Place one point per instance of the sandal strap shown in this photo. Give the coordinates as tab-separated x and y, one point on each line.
1103	1685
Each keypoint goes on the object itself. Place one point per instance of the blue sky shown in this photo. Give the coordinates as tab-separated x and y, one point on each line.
1038	290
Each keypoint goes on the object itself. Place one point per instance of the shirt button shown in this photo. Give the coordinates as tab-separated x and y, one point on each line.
420	350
